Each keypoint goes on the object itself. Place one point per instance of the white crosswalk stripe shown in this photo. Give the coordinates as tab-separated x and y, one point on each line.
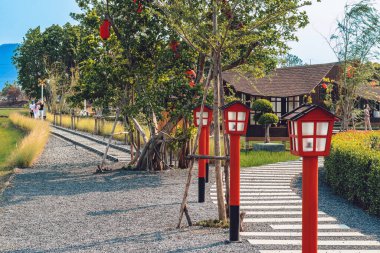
320	242
299	234
322	251
268	200
299	226
279	220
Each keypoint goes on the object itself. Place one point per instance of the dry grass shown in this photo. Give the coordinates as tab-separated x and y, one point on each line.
31	147
88	125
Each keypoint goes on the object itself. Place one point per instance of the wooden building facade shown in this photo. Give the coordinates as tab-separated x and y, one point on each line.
286	88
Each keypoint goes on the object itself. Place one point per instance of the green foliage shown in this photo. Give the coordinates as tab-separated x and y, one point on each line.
291	60
44	55
268	118
355	43
247	35
353	168
262	105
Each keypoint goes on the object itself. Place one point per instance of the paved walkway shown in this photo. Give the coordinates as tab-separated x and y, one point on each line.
273	214
97	144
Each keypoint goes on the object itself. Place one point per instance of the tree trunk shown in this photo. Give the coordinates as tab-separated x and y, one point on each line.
140	130
184	163
151	157
194	148
226	143
218	171
267	137
100	168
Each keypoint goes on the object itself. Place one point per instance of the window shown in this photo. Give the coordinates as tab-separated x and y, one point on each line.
292	103
276	104
243	98
252	118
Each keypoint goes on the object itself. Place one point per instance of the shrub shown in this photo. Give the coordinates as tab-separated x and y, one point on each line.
268	119
353	168
32	145
264	116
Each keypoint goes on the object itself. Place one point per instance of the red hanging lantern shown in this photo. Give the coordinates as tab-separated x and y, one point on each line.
174	45
350	71
140	8
104	29
324	86
191	75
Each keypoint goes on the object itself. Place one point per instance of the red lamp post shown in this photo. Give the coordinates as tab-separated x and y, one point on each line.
207	151
205	121
236	116
310	129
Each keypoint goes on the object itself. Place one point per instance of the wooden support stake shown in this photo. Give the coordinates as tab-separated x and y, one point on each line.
187	216
210	157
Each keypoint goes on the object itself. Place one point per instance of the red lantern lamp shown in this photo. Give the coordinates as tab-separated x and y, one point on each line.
104	29
206	117
310	129
236	116
204	120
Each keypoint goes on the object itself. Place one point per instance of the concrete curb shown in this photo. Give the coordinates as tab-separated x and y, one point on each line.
92	139
101	153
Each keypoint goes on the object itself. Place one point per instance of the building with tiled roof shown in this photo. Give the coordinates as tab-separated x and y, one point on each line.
287	88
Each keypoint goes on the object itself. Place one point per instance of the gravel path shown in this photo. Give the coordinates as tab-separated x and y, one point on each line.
347	213
59	205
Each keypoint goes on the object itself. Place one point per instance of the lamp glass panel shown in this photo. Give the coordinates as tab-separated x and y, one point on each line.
240	126
205	115
296	142
307	128
232	126
307	144
204	122
198	120
241	116
322	128
321	144
231	116
295	128
291	128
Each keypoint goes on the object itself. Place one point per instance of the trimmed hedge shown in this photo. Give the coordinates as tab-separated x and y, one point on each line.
353	168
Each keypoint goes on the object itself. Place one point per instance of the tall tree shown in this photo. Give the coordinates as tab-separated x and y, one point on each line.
245	35
355	42
291	60
148	70
51	54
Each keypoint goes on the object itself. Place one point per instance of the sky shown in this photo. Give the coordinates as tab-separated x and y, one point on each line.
17	16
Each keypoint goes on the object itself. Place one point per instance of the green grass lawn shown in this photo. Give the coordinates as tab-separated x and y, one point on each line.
7	111
257	158
9	135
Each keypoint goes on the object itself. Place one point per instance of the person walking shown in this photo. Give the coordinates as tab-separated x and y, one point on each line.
367	118
31	108
41	109
35	110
